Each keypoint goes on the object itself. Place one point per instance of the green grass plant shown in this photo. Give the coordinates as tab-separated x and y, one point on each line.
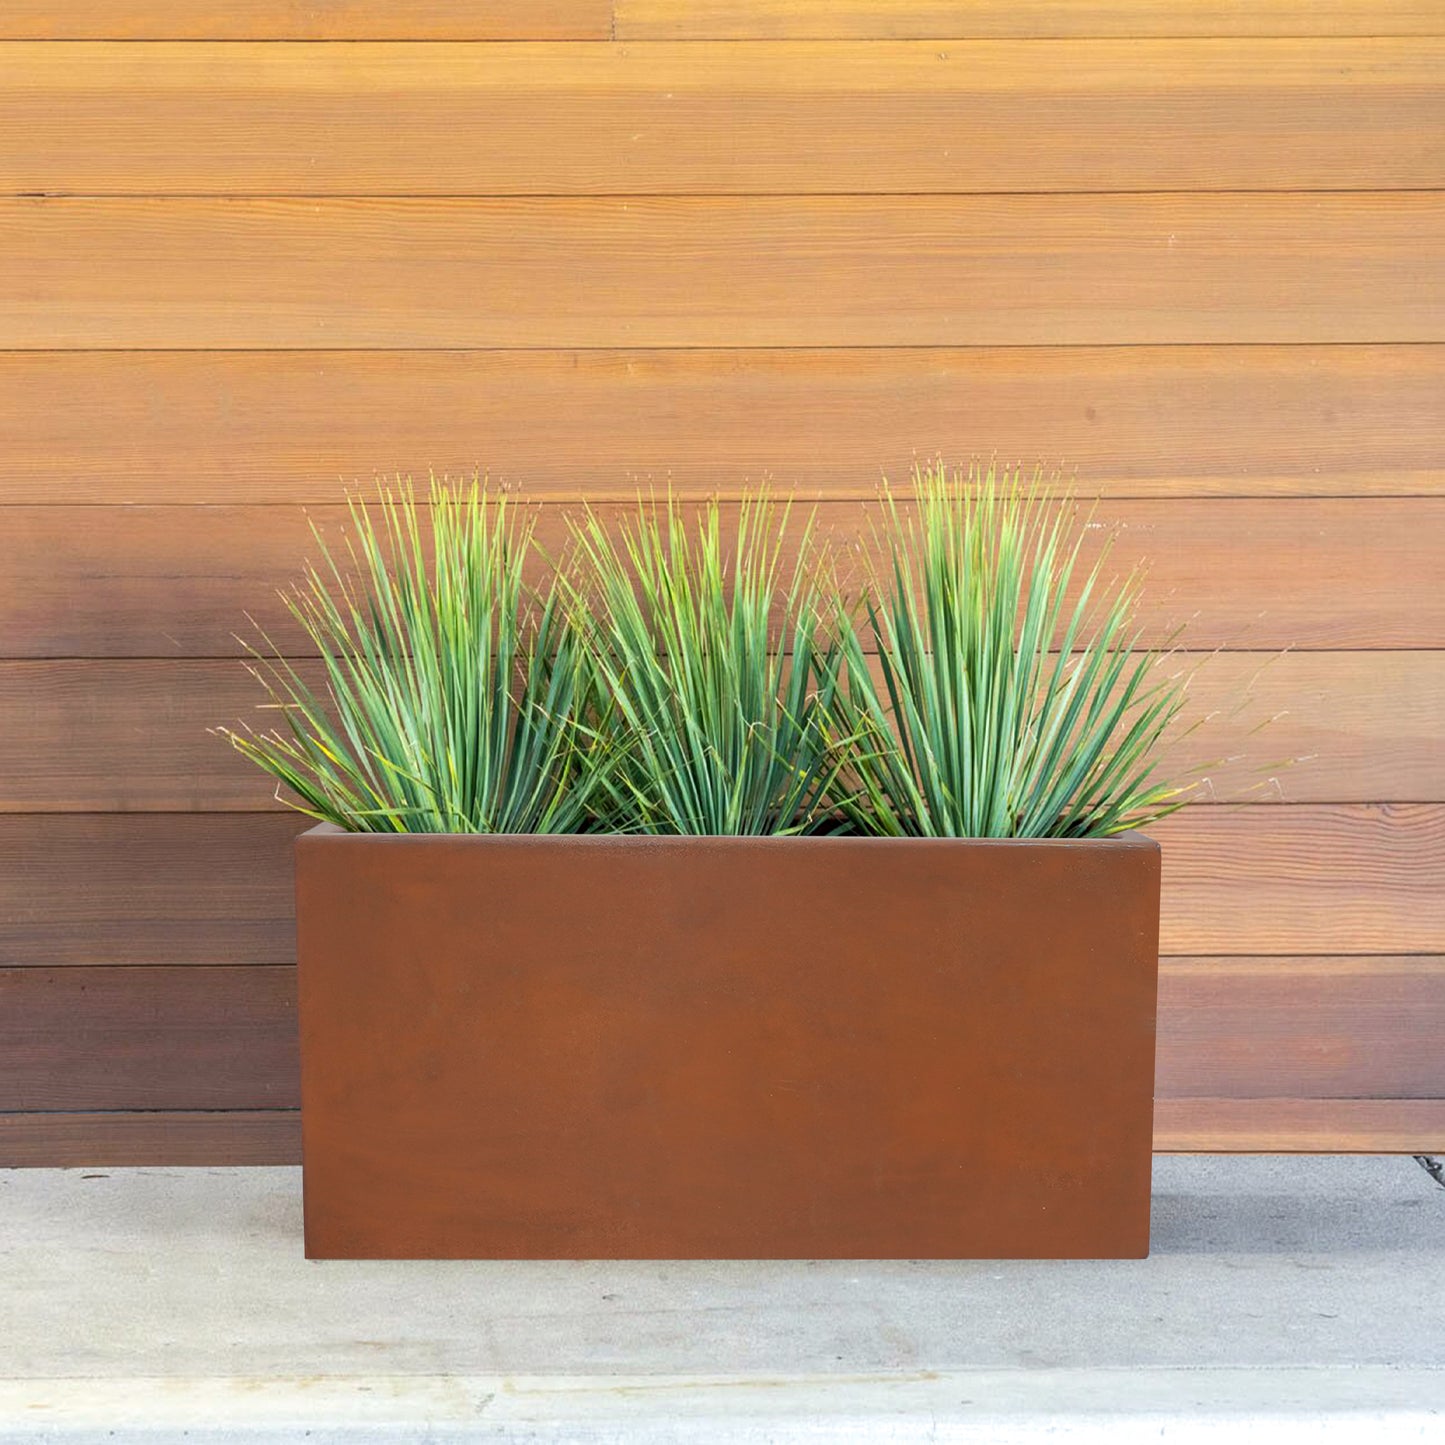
717	665
455	692
676	673
1011	697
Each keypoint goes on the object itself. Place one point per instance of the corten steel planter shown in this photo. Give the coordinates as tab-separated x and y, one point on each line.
624	1047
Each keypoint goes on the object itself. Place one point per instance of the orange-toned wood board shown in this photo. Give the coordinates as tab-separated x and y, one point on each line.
1354	1028
306	20
1299	1126
722	271
886	19
1308	879
138	735
286	426
197	888
1246	575
787	117
594	19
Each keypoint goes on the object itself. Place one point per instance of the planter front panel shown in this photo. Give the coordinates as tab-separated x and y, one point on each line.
726	1048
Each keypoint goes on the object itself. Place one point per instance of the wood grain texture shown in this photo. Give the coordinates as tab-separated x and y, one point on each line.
1311	1028
591	19
197	888
1175	421
1299	1126
307	20
788	117
891	19
1196	250
78	1039
135	736
1302	727
118	1139
273	1136
159	889
1241	574
755	271
1355	879
148	1038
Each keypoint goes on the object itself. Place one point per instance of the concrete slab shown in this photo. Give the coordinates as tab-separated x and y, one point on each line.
1287	1299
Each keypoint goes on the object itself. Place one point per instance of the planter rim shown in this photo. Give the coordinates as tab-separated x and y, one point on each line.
1132	838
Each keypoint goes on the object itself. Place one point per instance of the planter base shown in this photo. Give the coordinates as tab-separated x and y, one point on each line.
726	1048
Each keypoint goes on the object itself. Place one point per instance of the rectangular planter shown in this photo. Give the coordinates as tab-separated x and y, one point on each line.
626	1047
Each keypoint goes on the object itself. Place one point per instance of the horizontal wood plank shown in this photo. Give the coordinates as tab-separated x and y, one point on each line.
1241	574
1315	1028
152	888
756	271
185	888
209	1038
123	735
1301	727
121	1139
788	117
1179	421
147	1038
307	20
590	19
892	19
1347	879
273	1136
1299	1126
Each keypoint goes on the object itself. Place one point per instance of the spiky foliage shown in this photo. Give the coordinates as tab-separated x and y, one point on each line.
454	692
1011	698
717	665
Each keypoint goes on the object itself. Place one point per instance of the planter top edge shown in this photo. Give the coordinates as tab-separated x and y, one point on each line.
330	833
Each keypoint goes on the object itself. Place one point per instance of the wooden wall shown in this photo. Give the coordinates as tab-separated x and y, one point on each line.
1196	248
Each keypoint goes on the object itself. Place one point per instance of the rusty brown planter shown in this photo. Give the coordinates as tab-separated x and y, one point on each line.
632	1047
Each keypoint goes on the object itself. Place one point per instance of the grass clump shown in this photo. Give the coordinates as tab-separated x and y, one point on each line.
719	676
672	674
455	692
1011	697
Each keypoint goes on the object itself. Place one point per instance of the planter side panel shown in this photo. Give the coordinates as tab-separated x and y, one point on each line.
579	1048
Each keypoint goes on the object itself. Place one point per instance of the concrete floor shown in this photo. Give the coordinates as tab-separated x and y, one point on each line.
1287	1299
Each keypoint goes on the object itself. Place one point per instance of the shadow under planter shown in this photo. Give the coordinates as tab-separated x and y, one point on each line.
634	1047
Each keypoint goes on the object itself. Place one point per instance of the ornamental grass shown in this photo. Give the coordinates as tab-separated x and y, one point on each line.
681	672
